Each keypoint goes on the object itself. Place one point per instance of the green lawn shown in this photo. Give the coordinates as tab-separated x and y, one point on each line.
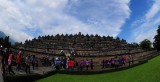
148	72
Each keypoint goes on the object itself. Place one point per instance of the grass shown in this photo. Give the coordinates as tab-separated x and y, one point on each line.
148	72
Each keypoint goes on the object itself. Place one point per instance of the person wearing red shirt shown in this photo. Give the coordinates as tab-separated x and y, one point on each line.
18	61
69	64
72	64
10	63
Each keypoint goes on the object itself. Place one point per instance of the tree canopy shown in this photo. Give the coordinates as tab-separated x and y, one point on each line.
156	42
5	42
146	44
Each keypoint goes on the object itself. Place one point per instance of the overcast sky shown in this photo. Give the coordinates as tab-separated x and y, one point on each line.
133	20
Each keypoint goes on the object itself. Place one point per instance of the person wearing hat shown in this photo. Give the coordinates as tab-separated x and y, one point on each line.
57	64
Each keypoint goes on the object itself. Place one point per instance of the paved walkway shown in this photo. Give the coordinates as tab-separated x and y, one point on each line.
1	77
40	70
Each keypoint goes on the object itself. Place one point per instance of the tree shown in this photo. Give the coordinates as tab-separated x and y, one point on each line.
146	44
5	42
135	44
156	42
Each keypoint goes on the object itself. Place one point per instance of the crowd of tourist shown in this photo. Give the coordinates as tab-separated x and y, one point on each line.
19	61
117	62
67	64
23	62
29	61
81	65
7	58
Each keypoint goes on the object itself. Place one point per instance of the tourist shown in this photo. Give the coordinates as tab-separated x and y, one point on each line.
47	61
87	64
72	64
64	62
57	64
116	62
43	61
81	65
106	64
3	60
109	63
91	64
6	55
69	64
103	64
23	64
120	61
53	63
28	61
129	60
10	63
18	61
112	62
33	61
132	60
123	60
76	65
61	64
36	63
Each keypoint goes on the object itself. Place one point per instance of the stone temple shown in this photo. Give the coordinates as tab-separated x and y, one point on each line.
83	47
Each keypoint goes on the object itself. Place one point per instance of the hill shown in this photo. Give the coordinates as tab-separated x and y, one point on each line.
3	35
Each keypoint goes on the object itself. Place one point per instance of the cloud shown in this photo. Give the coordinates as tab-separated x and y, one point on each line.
146	26
154	10
25	19
103	19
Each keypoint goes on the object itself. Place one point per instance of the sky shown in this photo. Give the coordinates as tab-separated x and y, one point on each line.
132	20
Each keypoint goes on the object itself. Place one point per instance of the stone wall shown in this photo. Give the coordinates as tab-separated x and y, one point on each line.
138	56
